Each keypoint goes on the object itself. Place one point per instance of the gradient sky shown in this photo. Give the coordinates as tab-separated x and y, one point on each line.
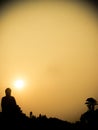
52	47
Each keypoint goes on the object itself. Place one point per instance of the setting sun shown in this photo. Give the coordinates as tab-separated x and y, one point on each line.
49	56
19	84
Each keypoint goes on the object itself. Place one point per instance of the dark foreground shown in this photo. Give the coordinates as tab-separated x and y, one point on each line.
23	122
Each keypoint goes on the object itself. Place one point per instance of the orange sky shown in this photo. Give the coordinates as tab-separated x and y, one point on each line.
52	46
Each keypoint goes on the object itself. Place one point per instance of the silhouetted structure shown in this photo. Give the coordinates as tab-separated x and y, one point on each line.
31	114
12	117
9	105
89	119
91	102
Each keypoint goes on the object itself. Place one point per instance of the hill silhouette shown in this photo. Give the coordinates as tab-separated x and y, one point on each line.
12	117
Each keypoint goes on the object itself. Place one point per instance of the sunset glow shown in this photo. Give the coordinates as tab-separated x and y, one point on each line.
49	52
19	84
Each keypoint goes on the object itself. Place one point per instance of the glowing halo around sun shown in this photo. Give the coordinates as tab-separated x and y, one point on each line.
19	84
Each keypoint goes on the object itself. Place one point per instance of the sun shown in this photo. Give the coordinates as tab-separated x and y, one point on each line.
19	84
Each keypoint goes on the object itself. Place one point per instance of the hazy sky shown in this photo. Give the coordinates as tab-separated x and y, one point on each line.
52	47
